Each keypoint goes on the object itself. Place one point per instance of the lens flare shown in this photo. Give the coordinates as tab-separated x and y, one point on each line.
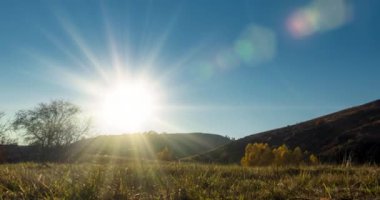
319	16
254	46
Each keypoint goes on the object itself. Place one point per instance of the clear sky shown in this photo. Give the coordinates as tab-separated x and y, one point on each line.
228	67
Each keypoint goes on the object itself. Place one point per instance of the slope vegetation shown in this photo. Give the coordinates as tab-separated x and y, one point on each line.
351	134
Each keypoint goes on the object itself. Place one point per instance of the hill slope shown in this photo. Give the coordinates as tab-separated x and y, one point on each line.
354	132
148	144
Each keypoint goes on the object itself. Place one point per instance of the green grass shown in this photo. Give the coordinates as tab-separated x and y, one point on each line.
152	180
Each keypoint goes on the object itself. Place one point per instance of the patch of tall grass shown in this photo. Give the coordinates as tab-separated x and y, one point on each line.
173	180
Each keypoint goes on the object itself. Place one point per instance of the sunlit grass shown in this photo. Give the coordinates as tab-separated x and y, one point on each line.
172	180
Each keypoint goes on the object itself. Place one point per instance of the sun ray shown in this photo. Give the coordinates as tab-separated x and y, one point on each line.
113	49
99	82
154	51
70	29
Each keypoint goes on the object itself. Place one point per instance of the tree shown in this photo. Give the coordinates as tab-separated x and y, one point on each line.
282	155
261	154
165	154
313	159
297	156
257	154
54	124
267	156
4	130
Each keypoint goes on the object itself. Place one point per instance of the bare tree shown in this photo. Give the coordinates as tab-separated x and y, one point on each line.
54	124
5	128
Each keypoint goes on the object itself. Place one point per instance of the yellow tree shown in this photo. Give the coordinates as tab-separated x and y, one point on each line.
165	154
266	156
245	160
261	154
313	159
257	154
282	155
297	156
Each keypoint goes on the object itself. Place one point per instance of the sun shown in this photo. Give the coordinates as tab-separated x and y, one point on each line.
126	106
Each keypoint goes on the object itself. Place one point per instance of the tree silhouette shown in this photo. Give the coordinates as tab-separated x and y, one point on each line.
54	124
4	130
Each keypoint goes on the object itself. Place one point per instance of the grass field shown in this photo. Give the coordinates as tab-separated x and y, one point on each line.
151	180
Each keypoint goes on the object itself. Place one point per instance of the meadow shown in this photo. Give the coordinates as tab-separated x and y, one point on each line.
173	180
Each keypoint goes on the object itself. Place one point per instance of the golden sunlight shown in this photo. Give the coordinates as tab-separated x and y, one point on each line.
126	106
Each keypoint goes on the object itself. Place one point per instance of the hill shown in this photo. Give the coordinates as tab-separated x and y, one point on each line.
148	144
352	133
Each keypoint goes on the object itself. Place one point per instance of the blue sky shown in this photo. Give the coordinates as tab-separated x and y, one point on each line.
227	67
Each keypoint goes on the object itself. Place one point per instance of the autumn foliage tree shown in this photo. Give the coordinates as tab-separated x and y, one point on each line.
261	154
282	155
165	154
313	159
257	154
297	156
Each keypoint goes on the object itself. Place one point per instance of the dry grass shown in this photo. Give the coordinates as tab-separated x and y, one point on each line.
151	180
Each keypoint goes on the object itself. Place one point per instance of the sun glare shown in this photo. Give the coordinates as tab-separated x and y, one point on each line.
127	106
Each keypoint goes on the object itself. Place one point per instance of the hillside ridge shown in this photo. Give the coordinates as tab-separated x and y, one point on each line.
352	133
